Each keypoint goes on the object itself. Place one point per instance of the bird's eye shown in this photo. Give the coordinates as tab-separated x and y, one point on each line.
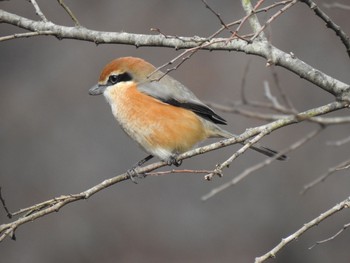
114	79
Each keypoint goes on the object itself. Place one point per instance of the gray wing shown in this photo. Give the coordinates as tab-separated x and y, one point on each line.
170	91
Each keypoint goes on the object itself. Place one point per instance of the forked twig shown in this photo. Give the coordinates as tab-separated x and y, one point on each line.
285	241
260	165
272	18
330	24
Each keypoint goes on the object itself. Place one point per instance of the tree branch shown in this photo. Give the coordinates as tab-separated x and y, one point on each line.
48	207
38	10
260	48
260	165
285	241
69	12
25	35
323	177
332	237
330	24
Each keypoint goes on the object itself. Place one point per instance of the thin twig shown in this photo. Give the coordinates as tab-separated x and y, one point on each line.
237	22
246	146
346	166
260	165
337	5
243	83
217	15
270	97
251	17
330	24
285	241
323	177
2	199
38	10
332	237
339	142
178	171
272	18
69	12
284	96
185	55
24	35
254	114
183	58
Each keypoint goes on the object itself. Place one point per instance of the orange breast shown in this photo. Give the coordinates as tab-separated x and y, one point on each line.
154	124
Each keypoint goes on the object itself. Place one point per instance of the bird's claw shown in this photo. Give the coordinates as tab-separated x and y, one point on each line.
133	174
174	161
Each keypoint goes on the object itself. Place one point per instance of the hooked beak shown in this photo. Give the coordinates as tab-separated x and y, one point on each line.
97	89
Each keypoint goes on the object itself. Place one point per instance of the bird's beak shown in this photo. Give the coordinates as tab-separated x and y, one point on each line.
97	89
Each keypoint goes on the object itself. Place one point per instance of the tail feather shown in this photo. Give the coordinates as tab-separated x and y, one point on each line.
268	152
256	147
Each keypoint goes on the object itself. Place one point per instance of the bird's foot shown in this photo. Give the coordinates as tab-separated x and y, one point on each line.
174	161
133	174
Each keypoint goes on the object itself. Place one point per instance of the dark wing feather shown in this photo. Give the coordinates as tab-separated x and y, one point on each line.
170	91
201	110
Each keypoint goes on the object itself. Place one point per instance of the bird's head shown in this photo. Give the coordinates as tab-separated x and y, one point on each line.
120	71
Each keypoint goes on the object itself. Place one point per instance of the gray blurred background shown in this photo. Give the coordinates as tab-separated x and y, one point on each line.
56	139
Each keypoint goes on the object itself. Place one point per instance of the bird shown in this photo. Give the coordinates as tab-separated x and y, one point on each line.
163	116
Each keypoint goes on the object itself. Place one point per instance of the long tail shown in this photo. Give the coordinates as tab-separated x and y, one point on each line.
267	151
256	147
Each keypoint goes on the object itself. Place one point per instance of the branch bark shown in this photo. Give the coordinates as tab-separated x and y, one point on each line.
260	48
285	241
48	207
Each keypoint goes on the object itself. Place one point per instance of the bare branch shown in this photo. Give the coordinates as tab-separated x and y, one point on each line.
217	15
270	97
323	177
272	18
285	241
266	129
330	24
332	237
337	5
178	171
243	84
241	21
322	80
38	10
2	200
69	12
237	109
344	167
25	35
251	16
339	142
260	165
55	204
284	96
219	167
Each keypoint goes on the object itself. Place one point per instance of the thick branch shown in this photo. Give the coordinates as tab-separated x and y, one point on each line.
261	48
